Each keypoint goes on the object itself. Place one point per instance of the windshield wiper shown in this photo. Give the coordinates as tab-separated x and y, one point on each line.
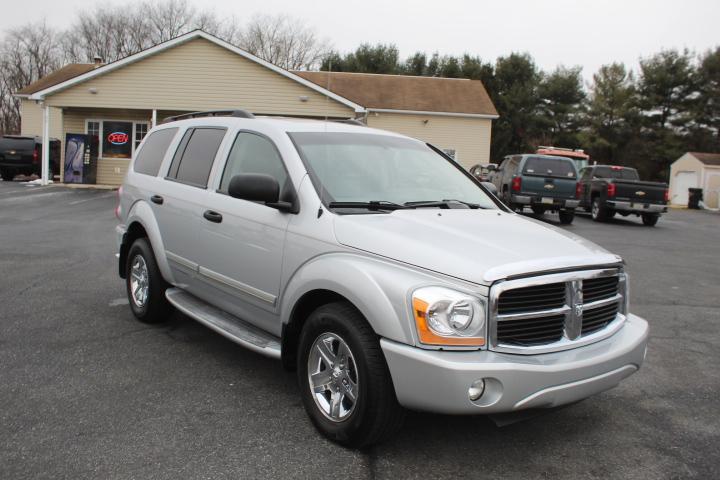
371	205
446	203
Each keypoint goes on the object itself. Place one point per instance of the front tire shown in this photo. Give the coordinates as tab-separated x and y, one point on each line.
145	285
344	381
598	210
650	219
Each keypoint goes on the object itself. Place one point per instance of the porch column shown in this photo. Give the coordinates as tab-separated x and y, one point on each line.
154	118
45	166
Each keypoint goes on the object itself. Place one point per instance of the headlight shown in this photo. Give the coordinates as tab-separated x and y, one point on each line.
448	317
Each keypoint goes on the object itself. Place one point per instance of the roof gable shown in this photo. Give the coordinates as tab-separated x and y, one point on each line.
51	88
408	93
707	158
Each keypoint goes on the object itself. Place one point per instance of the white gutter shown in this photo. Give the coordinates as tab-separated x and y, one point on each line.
439	114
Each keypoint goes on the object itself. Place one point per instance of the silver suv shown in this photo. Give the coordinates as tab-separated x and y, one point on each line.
374	266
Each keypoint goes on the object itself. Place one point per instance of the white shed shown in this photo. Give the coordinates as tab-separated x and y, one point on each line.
695	170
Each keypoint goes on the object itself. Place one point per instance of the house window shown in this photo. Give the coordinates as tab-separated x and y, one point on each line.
141	130
117	138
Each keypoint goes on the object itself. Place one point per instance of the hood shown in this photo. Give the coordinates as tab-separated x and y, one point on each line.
479	246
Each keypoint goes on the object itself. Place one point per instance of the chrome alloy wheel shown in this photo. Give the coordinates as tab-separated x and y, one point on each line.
333	377
139	281
595	210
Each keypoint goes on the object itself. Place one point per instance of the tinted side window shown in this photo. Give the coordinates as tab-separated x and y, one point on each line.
198	156
253	153
153	151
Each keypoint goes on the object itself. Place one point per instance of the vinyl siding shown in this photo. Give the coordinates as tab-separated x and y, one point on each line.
469	137
199	75
31	119
711	192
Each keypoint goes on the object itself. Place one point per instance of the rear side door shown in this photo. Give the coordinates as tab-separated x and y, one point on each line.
178	201
243	241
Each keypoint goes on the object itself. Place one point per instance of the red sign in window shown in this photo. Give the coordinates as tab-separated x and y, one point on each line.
118	138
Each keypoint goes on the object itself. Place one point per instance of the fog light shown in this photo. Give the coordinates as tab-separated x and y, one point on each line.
476	389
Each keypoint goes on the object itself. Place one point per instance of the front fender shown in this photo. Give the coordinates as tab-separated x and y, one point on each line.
142	213
378	288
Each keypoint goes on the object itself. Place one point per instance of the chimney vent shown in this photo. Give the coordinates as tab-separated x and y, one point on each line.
97	59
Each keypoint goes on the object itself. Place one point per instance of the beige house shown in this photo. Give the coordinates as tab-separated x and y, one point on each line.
198	71
696	170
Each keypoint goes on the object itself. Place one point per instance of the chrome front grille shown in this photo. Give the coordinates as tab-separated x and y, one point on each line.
557	311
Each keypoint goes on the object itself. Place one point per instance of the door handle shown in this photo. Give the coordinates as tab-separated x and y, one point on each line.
157	199
212	216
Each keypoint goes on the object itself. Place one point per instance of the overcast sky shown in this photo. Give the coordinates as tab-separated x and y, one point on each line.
585	33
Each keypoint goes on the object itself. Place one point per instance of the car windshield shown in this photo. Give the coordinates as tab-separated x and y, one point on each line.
550	167
616	173
359	167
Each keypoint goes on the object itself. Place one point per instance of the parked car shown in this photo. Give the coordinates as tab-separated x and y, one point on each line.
482	171
541	182
605	190
21	154
374	266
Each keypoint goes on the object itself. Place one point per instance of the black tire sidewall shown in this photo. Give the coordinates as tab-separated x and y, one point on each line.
156	306
353	430
566	218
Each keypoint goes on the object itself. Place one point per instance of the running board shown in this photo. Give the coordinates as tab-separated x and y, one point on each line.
225	324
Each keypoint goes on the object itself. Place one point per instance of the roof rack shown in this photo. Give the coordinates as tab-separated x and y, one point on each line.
351	121
237	113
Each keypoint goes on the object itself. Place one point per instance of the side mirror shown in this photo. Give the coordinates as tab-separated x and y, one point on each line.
258	187
491	187
254	187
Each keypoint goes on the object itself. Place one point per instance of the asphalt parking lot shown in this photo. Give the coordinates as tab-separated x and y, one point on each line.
88	392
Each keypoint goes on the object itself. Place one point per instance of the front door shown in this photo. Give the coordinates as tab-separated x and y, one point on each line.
242	241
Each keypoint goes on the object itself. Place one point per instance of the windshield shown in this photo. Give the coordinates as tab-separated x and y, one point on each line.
616	173
358	167
550	167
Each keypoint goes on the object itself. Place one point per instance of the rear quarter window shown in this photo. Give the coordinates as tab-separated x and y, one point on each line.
153	151
550	167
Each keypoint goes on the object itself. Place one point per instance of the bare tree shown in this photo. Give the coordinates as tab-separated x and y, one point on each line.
26	54
283	41
111	33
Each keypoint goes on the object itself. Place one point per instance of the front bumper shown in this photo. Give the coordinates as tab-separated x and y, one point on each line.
438	381
635	207
556	202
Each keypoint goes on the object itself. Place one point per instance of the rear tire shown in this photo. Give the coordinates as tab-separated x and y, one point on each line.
145	285
566	217
538	210
7	174
351	367
650	219
598	210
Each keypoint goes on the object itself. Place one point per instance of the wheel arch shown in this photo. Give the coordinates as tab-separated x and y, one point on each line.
368	285
141	221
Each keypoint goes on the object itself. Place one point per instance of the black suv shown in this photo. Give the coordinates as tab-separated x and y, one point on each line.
23	154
